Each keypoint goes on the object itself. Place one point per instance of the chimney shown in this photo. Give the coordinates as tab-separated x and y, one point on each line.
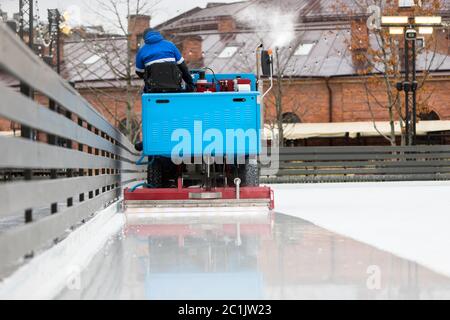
192	50
50	55
359	44
226	25
136	27
62	40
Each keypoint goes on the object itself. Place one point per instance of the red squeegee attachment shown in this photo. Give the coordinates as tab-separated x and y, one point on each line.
199	197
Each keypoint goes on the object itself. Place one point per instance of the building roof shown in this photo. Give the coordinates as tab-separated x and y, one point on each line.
306	10
319	26
329	55
95	59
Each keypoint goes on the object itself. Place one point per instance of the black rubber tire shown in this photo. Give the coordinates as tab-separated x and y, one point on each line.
139	146
154	174
169	173
250	175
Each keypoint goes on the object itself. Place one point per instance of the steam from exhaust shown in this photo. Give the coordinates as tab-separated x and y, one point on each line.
275	27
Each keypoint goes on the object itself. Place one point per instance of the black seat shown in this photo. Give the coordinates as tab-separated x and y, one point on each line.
163	78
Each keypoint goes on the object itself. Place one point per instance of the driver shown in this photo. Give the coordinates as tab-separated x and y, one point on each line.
158	50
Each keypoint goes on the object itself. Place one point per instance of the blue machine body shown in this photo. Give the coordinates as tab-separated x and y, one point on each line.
198	120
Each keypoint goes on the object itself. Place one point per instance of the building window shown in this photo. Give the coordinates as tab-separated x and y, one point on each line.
430	116
228	52
290	117
304	49
91	60
140	40
406	3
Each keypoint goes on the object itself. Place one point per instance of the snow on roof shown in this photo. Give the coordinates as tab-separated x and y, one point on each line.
321	25
95	60
328	57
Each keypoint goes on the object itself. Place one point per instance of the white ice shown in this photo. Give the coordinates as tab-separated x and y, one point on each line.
410	219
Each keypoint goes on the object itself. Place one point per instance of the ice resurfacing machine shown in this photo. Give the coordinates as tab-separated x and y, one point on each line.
203	147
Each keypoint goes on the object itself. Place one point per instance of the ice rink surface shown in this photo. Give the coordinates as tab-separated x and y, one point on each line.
334	241
256	256
409	219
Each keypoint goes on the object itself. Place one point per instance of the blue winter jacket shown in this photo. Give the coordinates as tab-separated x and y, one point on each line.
156	50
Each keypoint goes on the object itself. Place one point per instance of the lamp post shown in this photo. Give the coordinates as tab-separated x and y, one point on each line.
26	13
54	23
410	27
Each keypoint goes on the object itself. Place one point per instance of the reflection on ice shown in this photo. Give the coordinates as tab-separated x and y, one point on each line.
209	258
247	256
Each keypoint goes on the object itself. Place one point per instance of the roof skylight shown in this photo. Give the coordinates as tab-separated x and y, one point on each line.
91	60
304	49
228	52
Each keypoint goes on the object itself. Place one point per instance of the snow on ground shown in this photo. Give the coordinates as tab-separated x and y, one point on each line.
408	219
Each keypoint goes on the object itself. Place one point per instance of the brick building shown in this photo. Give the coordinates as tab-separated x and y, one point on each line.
321	81
320	78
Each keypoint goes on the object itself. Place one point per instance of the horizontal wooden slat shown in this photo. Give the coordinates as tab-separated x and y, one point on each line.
374	171
363	149
321	164
22	153
355	164
40	193
15	243
17	108
35	194
21	62
360	178
356	156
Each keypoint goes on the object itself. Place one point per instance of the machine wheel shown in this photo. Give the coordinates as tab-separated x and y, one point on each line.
250	174
154	174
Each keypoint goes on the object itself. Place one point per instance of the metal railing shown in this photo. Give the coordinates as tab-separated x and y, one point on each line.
73	164
359	164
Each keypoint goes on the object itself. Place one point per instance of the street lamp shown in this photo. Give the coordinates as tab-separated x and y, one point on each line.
410	27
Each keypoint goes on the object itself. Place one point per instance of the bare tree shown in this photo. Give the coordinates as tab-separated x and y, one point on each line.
380	63
117	55
277	107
